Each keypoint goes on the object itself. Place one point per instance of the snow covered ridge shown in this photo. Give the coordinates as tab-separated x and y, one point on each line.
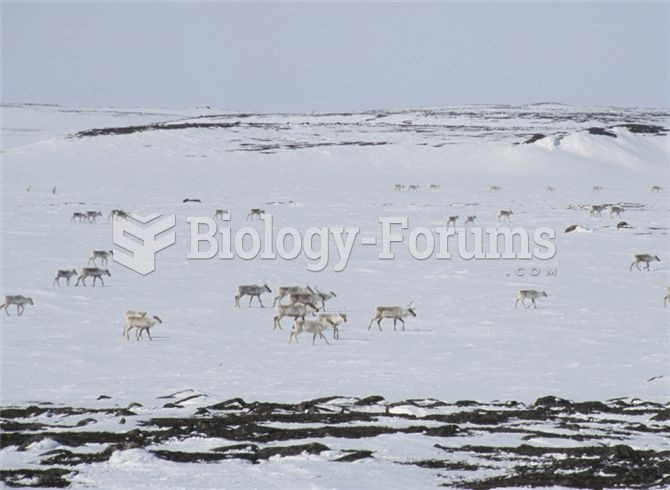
466	444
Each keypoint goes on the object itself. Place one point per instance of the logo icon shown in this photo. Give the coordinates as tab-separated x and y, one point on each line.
142	241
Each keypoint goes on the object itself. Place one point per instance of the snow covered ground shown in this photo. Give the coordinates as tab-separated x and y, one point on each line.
601	333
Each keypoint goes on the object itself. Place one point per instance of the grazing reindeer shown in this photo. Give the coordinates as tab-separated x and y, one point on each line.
656	188
100	254
506	214
255	212
470	221
295	311
131	315
434	187
530	294
596	209
28	188
452	220
93	272
643	258
666	298
289	290
53	191
550	189
253	291
414	187
495	188
313	326
92	215
220	214
67	274
597	188
115	214
19	301
399	187
395	312
616	210
334	319
79	217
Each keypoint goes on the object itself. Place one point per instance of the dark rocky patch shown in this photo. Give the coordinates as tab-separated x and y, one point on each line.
644	128
49	478
571	228
601	132
355	455
534	138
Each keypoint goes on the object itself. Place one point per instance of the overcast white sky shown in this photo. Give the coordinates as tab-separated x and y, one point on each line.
327	57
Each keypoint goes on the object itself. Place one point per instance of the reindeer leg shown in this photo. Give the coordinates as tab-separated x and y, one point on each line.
250	300
395	320
534	305
516	304
260	301
149	334
324	338
379	324
403	323
19	309
4	305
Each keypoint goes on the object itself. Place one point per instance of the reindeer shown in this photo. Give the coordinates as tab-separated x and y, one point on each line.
656	188
495	188
399	187
470	221
255	212
253	291
67	274
141	324
414	187
93	272
395	312
102	255
19	301
550	189
335	320
506	214
220	214
92	215
452	220
616	210
313	326
79	217
434	187
643	258
323	297
597	188
296	311
596	209
289	290
115	214
528	294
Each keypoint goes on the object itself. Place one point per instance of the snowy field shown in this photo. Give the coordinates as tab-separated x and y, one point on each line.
602	332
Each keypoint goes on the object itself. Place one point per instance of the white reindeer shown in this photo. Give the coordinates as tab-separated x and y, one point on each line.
530	294
643	258
616	210
312	326
470	221
220	214
295	311
505	214
131	315
67	274
284	291
255	213
334	320
253	291
325	297
19	301
597	188
452	220
93	272
102	255
395	312
141	324
596	209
